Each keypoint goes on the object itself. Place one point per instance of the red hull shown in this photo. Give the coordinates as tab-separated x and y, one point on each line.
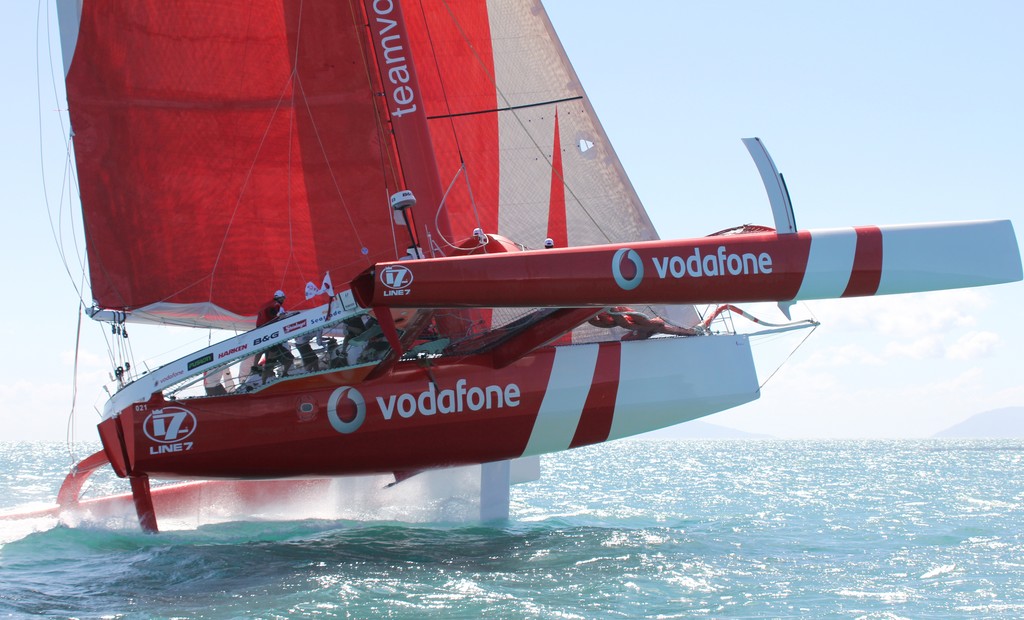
454	414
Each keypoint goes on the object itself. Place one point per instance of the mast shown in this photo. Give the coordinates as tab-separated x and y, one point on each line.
406	108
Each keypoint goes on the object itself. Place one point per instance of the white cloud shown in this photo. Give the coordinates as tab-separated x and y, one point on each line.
40	410
845	355
1006	396
928	347
963	383
85	359
969	346
92	371
907	316
972	345
802	379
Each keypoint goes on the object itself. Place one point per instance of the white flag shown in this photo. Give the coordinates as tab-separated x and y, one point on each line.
327	286
312	291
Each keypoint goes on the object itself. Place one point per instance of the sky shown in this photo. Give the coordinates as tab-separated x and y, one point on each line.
875	112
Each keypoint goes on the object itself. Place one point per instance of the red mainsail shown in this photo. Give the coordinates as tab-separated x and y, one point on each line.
225	151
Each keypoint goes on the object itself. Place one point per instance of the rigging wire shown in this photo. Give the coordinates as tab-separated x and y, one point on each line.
54	228
119	352
791	353
293	76
387	156
245	183
297	90
724	313
523	106
330	168
522	124
440	79
69	433
451	123
66	185
440	209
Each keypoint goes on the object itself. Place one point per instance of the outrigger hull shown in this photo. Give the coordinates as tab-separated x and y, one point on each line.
768	266
449	414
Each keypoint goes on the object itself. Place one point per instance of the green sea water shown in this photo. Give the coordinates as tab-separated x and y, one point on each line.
631	529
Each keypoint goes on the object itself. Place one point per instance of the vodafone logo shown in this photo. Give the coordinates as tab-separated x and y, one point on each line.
346	410
462	397
630	277
713	264
628	267
169	425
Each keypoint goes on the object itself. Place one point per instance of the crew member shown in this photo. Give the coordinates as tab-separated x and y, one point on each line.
277	354
273	310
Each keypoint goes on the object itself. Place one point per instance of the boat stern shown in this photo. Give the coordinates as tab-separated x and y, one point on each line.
662	386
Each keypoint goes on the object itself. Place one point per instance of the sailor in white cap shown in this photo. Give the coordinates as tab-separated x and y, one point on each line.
272	310
278	354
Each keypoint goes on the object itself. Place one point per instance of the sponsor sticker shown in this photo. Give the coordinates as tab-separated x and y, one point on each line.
628	267
173	375
199	361
396	277
346	410
169	428
294	326
630	275
169	424
238	349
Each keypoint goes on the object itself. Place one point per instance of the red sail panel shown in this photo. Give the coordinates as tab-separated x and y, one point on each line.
556	210
494	73
454	56
223	154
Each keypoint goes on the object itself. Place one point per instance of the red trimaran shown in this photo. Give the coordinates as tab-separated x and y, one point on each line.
226	150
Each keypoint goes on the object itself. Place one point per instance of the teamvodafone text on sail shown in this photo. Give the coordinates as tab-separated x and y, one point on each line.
393	52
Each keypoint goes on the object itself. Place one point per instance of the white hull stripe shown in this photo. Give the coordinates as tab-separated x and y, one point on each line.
571	376
831	256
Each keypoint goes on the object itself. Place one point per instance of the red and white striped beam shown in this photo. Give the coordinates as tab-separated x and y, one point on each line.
820	264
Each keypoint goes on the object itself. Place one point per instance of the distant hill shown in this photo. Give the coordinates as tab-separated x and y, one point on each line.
698	429
995	424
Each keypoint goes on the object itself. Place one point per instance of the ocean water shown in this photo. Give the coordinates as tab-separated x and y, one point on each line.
632	529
